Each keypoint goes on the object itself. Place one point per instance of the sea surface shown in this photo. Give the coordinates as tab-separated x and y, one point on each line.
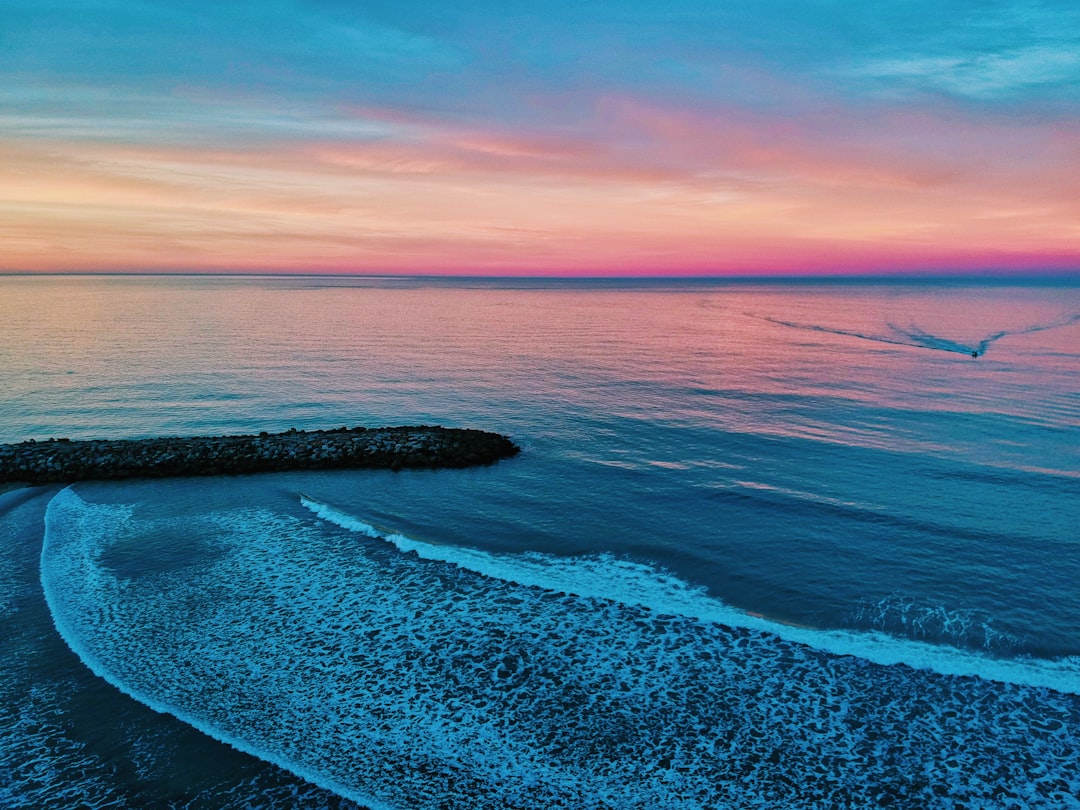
768	545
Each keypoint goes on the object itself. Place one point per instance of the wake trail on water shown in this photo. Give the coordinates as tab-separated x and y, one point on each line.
1068	320
920	339
641	585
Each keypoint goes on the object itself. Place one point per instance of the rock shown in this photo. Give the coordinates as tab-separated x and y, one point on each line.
391	448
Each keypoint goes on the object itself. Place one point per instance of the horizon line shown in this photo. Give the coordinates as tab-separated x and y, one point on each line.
1000	275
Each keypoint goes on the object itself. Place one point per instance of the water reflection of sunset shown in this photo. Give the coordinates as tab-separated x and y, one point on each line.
726	349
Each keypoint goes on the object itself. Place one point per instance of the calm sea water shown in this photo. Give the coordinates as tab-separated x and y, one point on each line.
768	545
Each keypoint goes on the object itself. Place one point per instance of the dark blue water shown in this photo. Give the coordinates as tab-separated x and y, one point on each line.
766	546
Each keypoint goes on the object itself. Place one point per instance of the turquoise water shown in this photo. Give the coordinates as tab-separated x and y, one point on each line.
768	545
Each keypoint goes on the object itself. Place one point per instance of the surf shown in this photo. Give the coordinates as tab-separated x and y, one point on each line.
392	672
70	552
637	584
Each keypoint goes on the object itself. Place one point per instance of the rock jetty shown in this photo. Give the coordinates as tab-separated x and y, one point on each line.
393	448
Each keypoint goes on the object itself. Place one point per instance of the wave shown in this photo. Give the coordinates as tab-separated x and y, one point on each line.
901	614
399	680
637	584
71	553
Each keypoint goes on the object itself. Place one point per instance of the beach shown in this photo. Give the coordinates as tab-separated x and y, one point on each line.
756	550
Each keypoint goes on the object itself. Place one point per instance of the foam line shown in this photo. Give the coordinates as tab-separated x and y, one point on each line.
636	584
378	673
54	582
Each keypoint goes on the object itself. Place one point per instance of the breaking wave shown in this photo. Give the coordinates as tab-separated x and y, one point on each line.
449	677
903	615
899	632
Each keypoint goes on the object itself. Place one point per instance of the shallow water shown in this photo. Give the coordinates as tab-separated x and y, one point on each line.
767	545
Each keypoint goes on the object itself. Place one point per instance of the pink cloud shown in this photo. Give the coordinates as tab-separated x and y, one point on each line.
639	188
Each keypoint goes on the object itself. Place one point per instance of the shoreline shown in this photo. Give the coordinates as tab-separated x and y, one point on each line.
394	448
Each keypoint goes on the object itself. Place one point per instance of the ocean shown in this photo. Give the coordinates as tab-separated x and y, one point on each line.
767	545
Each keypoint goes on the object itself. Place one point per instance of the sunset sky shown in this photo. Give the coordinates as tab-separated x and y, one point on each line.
553	138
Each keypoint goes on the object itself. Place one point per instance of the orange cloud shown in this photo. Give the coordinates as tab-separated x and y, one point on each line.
640	188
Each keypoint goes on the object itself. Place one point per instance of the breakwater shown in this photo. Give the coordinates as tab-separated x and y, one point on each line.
394	448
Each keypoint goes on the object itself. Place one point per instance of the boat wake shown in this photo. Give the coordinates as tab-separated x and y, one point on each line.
921	339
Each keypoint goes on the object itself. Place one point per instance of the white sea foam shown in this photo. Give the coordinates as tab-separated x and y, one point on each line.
631	583
77	588
403	680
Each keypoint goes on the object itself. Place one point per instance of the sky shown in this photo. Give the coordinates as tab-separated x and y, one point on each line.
501	137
